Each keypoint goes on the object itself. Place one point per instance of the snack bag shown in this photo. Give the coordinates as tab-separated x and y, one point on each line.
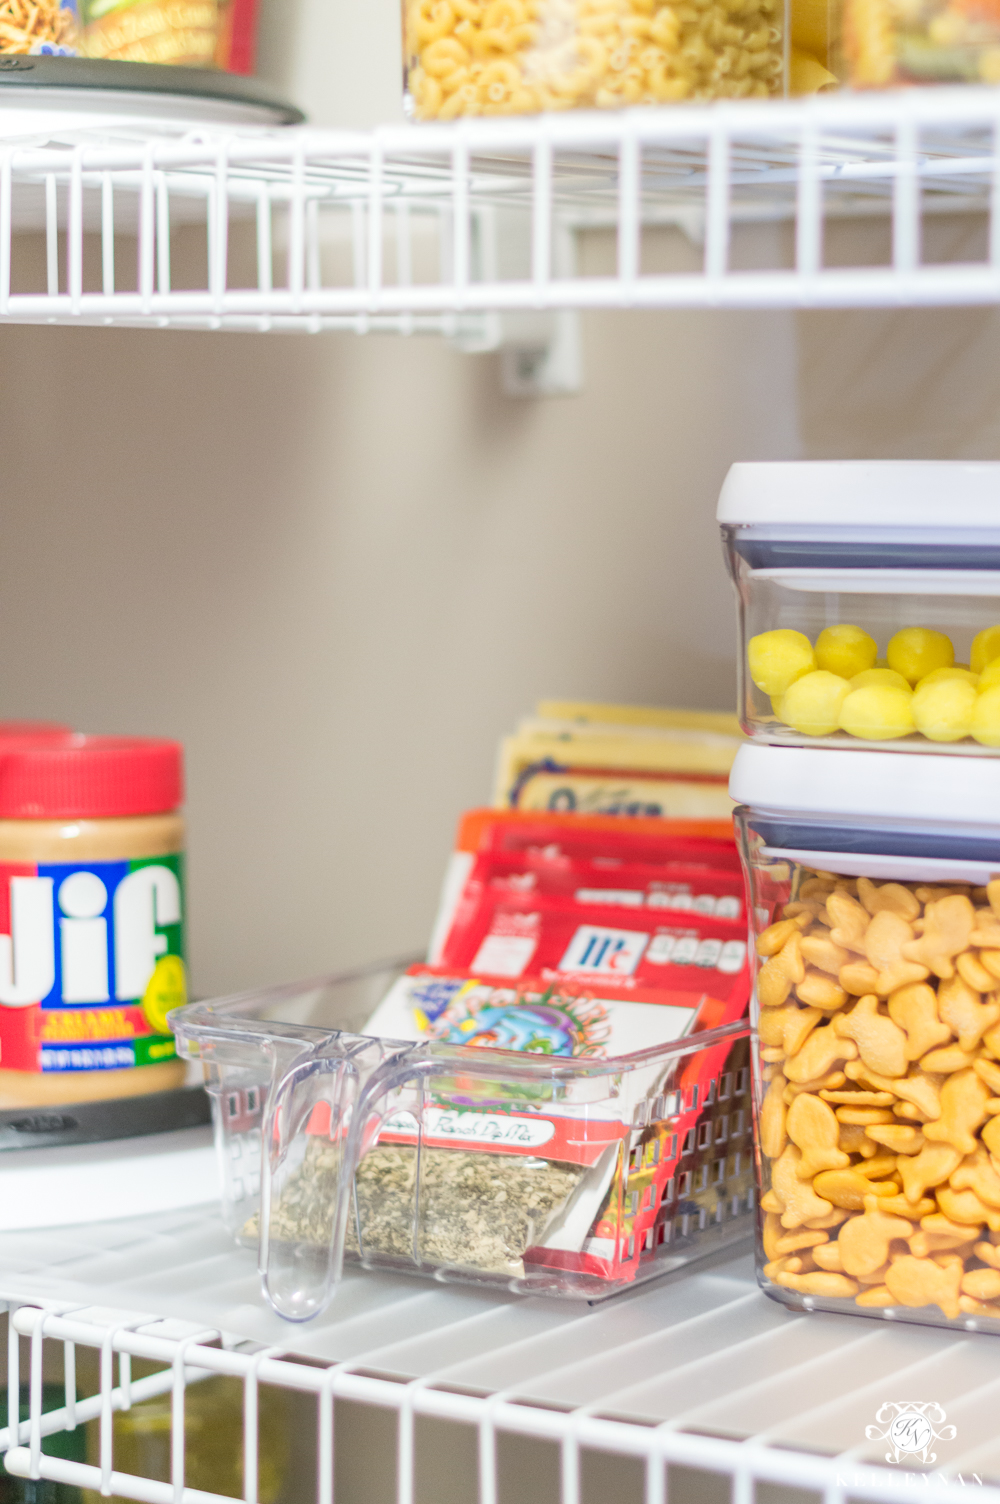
48	28
188	33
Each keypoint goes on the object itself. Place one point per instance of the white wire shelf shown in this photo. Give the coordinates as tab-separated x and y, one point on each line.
699	1369
426	226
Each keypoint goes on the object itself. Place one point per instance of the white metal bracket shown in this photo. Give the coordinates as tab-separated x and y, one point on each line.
541	353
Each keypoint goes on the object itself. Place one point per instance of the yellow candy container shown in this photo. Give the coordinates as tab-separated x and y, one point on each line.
867	602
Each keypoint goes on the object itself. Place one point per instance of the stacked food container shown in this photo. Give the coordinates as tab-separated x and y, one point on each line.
869	820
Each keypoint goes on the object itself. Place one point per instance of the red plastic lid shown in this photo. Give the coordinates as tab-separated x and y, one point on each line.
90	777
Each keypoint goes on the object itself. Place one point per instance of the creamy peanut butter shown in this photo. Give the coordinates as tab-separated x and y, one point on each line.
91	920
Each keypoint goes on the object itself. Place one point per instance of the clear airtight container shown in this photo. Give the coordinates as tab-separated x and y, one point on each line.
868	603
875	886
536	1173
518	57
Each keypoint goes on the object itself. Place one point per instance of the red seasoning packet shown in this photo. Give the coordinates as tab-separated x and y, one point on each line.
586	937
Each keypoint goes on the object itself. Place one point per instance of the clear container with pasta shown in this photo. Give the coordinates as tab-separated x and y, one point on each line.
868	602
875	889
518	57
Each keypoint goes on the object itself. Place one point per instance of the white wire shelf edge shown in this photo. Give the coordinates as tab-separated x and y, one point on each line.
698	1368
742	1464
308	229
189	1357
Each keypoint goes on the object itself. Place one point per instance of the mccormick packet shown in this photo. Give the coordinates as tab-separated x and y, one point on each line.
545	842
648	956
678	886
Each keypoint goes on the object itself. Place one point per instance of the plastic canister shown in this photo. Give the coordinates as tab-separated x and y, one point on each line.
874	894
868	603
91	917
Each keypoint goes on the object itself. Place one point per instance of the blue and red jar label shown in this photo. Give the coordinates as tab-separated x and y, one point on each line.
91	962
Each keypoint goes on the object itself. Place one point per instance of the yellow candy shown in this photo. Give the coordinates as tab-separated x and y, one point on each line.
990	675
985	647
943	710
845	650
812	704
776	659
915	651
986	718
880	676
957	671
877	712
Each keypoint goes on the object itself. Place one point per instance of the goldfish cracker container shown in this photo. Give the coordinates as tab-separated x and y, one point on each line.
91	918
518	57
874	883
868	603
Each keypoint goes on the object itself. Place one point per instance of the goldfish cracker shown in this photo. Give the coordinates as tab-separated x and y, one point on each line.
776	659
880	675
845	650
813	703
943	709
985	647
877	712
886	1120
916	651
985	727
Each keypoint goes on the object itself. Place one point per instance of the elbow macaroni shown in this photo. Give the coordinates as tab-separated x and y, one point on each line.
504	57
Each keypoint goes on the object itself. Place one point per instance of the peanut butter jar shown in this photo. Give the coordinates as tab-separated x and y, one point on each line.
91	917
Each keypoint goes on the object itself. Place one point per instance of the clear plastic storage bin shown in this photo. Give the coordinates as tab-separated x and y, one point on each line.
869	603
537	1173
517	57
877	1005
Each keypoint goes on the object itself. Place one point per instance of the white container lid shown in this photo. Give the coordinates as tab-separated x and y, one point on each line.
867	786
863	493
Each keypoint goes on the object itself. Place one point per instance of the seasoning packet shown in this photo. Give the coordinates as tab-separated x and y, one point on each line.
655	717
494	1134
618	760
455	1008
675	885
648	956
524	842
